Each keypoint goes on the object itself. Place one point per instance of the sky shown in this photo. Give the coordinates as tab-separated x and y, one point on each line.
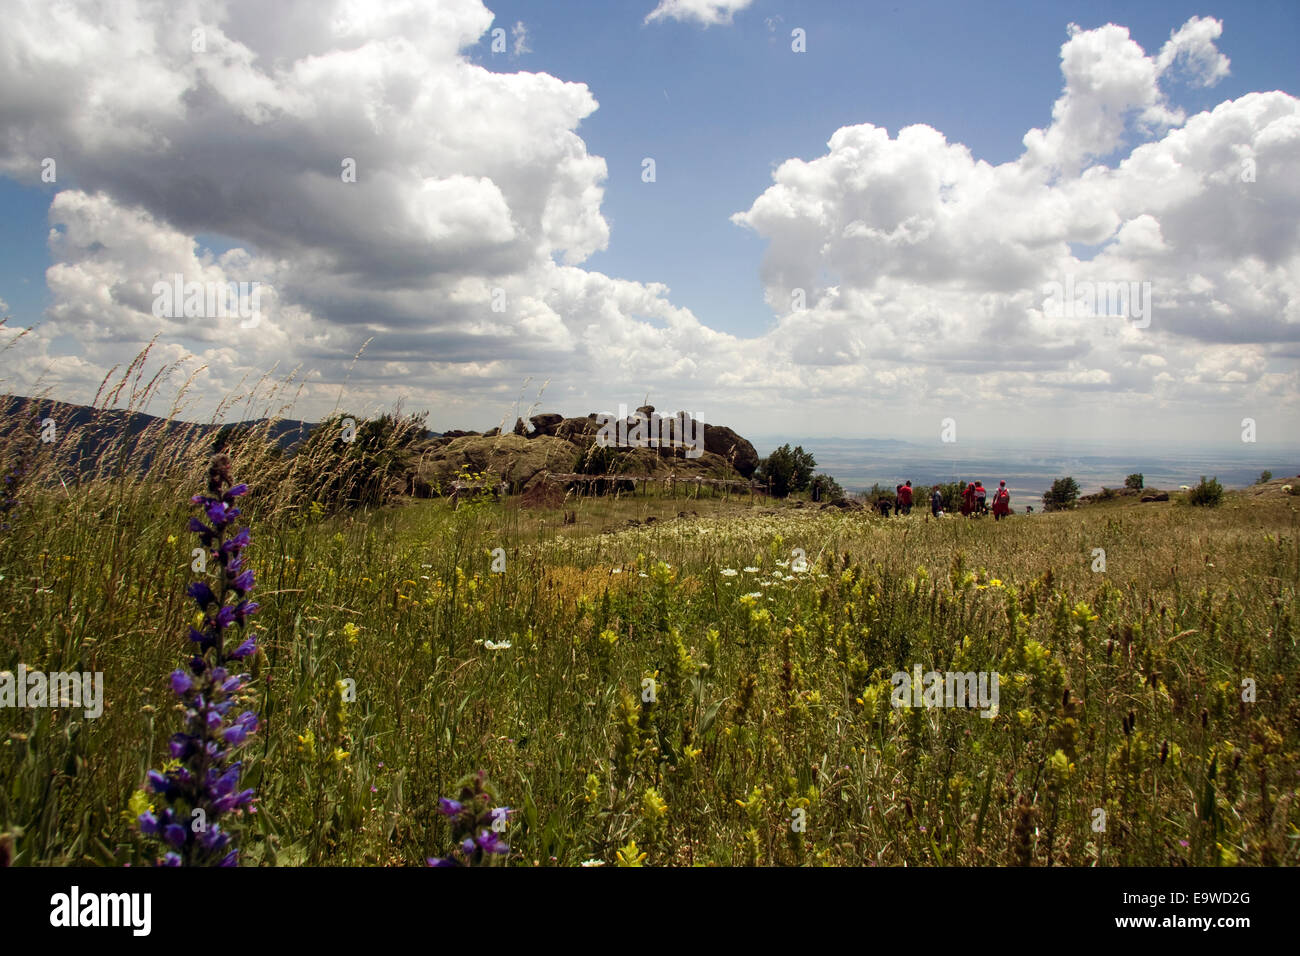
874	220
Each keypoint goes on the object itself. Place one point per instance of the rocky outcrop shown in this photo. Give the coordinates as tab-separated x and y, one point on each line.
721	440
513	458
545	424
550	442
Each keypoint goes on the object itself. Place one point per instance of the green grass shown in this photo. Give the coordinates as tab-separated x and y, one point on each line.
1120	691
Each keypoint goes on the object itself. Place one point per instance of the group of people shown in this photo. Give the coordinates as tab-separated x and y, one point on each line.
974	500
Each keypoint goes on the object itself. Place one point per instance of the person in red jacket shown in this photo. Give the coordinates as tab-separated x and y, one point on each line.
1001	502
905	498
968	499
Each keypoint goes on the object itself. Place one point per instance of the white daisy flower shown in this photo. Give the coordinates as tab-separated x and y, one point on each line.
751	570
503	646
729	572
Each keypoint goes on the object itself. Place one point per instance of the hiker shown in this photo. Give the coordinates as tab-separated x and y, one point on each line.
883	506
905	497
981	499
1001	502
967	499
936	501
898	499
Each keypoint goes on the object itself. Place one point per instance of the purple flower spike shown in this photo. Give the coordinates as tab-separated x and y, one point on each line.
203	774
449	807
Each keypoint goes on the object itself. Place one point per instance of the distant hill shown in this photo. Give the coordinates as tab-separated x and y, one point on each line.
93	430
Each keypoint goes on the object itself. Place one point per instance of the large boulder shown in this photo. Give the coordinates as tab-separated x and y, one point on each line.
545	424
580	431
512	458
721	440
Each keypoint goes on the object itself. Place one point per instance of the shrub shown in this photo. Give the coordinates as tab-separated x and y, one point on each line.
1062	495
1106	493
825	488
1208	494
348	461
1134	481
1264	477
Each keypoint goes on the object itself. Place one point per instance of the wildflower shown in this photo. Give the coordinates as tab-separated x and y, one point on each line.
653	807
630	855
202	775
729	572
503	646
476	825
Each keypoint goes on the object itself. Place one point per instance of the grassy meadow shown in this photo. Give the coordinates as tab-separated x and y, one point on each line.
678	691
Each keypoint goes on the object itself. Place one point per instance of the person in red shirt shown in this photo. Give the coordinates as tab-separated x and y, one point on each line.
968	499
1001	502
905	498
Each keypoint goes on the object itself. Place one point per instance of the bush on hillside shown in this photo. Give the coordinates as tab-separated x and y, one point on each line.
825	488
1063	493
348	462
1134	481
1206	494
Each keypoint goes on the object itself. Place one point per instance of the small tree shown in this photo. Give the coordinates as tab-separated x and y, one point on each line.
787	470
1134	481
1207	494
1062	495
1264	477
